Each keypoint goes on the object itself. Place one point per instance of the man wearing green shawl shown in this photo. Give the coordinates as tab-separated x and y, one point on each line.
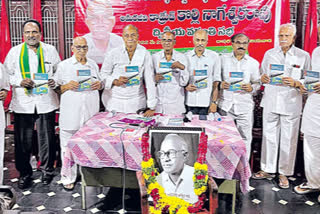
31	66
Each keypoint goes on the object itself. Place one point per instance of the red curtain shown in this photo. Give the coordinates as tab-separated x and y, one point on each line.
285	12
310	36
5	43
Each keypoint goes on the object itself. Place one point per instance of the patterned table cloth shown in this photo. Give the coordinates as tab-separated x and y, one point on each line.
97	145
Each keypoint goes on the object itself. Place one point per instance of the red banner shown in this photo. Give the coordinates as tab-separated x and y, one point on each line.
311	32
221	18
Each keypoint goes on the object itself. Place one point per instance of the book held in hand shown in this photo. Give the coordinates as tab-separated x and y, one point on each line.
235	80
276	74
312	78
41	83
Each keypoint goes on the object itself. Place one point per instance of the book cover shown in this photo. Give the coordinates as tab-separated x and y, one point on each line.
41	83
276	74
235	80
200	78
312	78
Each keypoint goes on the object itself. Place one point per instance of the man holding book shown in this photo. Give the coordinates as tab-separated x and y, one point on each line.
240	80
282	104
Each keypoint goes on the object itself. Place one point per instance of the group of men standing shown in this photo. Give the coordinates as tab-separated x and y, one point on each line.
167	82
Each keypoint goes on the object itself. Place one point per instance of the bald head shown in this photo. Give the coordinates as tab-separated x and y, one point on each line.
130	36
200	41
200	32
174	141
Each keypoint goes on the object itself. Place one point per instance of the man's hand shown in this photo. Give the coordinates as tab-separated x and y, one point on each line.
27	83
72	85
96	85
213	108
149	113
51	83
265	79
191	87
159	77
121	81
177	64
288	81
3	94
225	85
247	87
317	88
302	89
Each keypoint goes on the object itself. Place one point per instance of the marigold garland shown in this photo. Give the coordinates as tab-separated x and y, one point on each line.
164	204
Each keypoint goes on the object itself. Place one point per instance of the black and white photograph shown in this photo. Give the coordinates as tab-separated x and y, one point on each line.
175	152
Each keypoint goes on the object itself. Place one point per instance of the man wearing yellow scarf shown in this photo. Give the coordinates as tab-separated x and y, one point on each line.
30	66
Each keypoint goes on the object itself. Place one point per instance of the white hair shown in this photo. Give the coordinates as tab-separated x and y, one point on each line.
177	139
289	25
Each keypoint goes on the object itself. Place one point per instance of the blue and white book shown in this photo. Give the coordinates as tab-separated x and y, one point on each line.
41	83
276	74
235	80
311	78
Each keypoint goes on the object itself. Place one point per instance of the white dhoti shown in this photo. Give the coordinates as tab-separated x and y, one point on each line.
65	135
279	131
244	123
311	148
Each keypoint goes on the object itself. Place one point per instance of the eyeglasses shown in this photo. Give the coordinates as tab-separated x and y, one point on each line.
85	47
167	40
241	43
170	154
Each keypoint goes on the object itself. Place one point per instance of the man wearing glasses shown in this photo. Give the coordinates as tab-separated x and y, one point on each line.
171	76
240	80
100	21
30	66
78	78
177	177
126	70
205	75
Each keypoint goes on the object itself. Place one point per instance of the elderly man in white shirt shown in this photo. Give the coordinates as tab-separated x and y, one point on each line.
79	82
205	75
177	177
30	66
4	88
125	70
100	21
171	76
282	105
236	98
310	127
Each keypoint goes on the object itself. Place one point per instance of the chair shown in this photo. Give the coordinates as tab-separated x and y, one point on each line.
230	187
213	195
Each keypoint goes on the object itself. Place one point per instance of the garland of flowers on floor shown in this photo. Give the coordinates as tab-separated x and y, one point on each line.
163	204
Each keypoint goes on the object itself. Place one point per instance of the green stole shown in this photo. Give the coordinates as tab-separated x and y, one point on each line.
24	62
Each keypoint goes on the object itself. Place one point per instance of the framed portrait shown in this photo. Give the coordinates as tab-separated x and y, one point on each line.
175	150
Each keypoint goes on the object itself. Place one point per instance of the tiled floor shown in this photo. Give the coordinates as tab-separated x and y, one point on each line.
264	198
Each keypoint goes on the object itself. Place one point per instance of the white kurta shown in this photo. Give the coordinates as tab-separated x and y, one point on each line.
76	107
21	102
171	93
310	127
128	99
4	84
281	111
183	188
209	61
240	105
98	55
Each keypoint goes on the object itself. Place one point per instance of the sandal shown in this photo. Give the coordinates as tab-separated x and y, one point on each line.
304	189
262	175
68	187
283	182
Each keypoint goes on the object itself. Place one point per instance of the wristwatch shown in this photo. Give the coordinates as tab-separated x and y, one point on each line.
215	102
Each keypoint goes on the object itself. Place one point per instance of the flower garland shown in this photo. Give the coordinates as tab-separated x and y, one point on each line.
163	204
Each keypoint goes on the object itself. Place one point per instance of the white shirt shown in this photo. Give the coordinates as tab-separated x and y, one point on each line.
311	113
209	61
183	188
97	54
128	99
76	107
242	102
171	93
284	99
4	84
21	102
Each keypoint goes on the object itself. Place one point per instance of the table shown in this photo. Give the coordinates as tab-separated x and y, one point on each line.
96	145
